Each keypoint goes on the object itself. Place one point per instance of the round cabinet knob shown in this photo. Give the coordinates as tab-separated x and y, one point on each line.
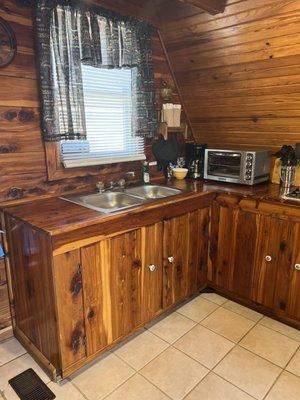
268	258
152	268
297	267
171	259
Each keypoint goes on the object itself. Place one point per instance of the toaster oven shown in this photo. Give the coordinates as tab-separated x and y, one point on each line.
246	167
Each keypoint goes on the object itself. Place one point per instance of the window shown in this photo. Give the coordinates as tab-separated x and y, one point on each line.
108	112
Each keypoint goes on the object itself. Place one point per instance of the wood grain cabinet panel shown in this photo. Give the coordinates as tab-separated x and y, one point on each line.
70	312
277	278
265	268
293	298
152	271
185	255
234	240
287	289
122	284
95	261
125	282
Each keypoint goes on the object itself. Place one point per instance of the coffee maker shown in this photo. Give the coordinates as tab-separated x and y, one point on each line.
195	153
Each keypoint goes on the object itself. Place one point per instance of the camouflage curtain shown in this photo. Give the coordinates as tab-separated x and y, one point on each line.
70	34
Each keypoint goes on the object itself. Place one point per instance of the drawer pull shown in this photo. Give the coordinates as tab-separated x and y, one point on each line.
297	267
268	258
171	259
152	268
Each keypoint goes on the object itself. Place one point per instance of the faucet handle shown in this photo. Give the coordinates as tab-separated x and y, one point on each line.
100	186
122	183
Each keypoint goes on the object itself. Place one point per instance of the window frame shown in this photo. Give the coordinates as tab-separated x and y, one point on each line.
56	170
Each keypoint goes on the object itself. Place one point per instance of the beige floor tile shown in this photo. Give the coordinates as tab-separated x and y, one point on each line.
212	387
244	311
204	346
102	377
198	309
228	324
9	350
137	388
294	365
249	372
172	327
14	368
174	373
287	387
65	390
214	297
270	345
281	328
141	349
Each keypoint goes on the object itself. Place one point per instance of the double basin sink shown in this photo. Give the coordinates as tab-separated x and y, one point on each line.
112	201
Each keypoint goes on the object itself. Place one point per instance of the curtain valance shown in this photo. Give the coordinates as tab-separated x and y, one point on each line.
69	34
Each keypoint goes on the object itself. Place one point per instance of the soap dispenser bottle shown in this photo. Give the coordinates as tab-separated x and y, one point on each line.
145	172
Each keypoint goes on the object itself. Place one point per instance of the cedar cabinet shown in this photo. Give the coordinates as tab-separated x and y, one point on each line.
234	238
106	290
276	283
256	256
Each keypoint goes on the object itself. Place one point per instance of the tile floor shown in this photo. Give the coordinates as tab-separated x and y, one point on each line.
209	349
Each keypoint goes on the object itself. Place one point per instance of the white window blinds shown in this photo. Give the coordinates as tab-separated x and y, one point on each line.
108	111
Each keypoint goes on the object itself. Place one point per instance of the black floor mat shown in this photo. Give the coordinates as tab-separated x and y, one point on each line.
29	386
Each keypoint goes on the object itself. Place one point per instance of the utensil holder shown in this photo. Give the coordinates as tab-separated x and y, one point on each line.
287	175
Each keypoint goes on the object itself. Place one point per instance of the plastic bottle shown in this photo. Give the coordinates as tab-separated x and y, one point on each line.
145	172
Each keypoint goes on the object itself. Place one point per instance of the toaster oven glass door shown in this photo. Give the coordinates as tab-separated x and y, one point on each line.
225	164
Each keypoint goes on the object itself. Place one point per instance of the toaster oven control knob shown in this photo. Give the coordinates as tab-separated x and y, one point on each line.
249	157
248	177
248	164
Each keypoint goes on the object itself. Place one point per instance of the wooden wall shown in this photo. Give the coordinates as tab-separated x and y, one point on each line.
22	152
239	72
22	155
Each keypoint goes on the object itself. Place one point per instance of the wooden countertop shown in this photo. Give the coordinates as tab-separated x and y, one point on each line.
57	216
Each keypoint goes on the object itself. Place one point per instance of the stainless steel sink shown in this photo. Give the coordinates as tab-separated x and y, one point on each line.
112	201
106	202
152	191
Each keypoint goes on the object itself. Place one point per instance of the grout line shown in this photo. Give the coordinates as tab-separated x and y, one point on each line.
295	352
79	390
171	345
273	384
153	384
275	330
16	358
108	394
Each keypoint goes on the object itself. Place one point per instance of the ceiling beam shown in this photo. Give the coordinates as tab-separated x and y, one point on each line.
212	6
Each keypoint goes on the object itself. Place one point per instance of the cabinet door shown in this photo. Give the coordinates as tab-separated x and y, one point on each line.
185	255
293	298
287	289
69	297
122	279
234	240
277	277
152	271
98	318
271	248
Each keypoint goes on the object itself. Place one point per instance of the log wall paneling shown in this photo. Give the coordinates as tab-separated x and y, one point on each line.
23	168
238	72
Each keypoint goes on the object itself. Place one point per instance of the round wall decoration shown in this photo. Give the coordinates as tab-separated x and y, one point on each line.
8	43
